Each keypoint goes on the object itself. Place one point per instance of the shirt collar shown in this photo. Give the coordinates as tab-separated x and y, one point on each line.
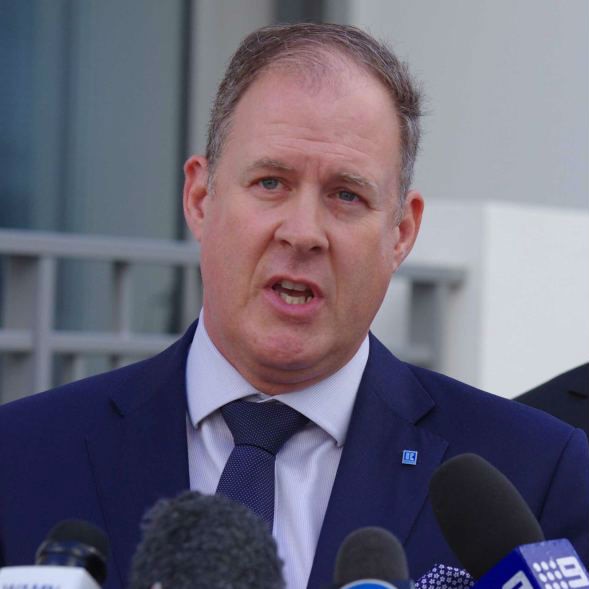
211	382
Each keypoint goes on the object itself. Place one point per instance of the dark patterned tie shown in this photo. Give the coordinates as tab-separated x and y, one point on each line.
259	431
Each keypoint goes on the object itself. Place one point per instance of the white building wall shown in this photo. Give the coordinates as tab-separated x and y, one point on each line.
507	83
535	303
522	314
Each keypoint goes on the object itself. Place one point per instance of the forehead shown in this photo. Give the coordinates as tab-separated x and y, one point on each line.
325	80
340	112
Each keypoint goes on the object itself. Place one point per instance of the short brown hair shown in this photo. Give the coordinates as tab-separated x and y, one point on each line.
304	41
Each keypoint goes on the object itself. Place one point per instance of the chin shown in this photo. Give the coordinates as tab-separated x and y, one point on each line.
288	353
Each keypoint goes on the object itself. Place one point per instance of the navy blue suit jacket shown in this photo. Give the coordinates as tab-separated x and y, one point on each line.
106	448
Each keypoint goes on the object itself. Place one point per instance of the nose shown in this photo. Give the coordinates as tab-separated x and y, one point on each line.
302	226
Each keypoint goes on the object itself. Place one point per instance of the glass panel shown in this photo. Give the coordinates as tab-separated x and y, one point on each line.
92	119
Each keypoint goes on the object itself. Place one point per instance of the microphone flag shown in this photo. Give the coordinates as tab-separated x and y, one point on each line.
552	564
46	577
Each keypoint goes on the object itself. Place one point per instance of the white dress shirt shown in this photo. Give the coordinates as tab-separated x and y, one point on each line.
305	466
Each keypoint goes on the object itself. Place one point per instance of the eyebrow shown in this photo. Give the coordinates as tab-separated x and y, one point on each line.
356	180
271	164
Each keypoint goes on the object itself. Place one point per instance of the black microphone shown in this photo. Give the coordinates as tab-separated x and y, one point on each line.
372	558
199	541
73	556
494	533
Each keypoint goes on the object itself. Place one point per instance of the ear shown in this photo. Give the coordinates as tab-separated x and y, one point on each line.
196	177
408	226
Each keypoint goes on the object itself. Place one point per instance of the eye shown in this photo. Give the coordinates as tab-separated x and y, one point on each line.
347	196
269	183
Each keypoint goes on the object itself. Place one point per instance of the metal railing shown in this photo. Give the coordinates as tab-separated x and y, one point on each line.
29	341
430	288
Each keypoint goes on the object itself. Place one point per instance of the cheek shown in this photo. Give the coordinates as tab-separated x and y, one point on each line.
364	272
222	233
232	245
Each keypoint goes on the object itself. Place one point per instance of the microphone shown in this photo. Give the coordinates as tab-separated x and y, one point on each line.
494	533
196	541
73	556
371	558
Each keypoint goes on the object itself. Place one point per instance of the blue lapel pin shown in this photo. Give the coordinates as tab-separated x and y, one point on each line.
409	457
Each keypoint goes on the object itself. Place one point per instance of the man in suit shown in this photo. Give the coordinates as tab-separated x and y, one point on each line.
303	210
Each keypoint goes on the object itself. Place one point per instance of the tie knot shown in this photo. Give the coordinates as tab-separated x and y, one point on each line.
264	425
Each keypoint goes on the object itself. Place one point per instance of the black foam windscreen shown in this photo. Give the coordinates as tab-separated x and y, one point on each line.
370	553
482	515
196	541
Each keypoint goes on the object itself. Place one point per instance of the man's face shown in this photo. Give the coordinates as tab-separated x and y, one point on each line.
300	234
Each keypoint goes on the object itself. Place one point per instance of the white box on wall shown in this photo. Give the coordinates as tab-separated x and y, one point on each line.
521	315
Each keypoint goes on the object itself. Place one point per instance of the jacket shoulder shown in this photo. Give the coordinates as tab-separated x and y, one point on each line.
464	404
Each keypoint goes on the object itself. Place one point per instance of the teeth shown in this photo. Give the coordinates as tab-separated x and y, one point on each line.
293	285
294	300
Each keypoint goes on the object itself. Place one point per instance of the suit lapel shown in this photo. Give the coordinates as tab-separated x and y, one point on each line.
372	486
140	455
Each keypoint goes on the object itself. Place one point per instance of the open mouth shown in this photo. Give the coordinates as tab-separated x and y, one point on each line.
293	293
